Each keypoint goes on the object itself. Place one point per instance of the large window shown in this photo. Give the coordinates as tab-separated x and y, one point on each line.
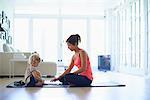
49	23
133	37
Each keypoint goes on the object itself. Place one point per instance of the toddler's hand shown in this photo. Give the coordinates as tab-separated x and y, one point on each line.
55	79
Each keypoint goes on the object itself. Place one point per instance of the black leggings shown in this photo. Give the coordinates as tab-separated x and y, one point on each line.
74	79
32	82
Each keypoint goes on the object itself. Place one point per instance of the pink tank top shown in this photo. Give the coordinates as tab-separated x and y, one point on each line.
88	72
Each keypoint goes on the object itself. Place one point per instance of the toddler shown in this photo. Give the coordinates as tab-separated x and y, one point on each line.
32	74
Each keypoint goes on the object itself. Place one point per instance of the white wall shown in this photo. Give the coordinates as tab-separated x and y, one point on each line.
7	6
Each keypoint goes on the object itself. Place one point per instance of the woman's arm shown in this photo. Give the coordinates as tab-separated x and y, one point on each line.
66	71
83	57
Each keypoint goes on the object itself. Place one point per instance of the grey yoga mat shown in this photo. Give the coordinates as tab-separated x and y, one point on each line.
59	85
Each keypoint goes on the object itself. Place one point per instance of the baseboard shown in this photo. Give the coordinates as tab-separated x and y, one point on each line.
47	76
7	76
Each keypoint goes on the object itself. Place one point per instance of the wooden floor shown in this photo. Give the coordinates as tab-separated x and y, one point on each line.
137	88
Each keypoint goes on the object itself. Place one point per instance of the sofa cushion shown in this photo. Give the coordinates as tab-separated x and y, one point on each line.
6	48
9	48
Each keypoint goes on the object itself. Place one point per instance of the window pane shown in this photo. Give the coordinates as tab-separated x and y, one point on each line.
21	33
70	27
142	40
128	36
137	49
37	8
148	5
45	38
82	7
121	37
124	36
149	40
142	32
97	40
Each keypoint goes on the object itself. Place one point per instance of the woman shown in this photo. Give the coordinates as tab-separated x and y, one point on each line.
83	76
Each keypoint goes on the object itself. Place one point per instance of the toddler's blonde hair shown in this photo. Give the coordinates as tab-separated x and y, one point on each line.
33	57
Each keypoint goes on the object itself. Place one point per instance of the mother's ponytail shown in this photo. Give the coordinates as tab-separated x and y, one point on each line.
74	39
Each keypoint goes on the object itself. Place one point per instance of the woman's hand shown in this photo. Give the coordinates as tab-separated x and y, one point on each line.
55	79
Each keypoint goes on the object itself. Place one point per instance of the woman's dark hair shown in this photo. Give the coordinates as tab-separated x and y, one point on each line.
74	39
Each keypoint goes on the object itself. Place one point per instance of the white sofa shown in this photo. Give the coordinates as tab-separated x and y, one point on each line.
46	68
5	63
